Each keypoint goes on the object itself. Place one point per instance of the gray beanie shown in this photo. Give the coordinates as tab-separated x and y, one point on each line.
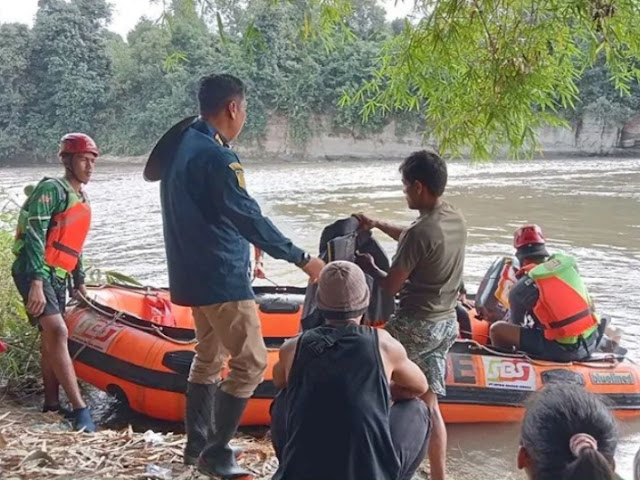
342	292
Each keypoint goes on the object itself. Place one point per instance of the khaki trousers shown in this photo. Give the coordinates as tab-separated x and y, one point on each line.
229	329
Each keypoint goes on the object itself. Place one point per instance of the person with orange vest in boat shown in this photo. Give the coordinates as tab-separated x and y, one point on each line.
52	227
552	316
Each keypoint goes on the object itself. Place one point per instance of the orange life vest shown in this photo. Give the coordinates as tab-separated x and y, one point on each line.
564	309
526	269
67	233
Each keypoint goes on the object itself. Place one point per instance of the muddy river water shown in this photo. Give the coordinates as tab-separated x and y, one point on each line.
589	208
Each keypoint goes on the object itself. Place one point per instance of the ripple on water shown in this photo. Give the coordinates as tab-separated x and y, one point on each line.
589	208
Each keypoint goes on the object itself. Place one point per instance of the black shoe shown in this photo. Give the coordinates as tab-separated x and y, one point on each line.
68	414
218	458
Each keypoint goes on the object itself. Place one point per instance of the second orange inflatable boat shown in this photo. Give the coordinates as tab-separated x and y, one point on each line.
134	344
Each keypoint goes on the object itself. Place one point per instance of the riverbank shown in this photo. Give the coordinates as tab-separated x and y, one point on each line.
35	445
39	446
251	154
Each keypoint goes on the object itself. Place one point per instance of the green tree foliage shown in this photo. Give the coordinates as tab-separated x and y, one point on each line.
14	46
595	88
68	72
487	73
475	75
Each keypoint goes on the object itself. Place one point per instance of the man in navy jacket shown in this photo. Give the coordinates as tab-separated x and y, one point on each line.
209	221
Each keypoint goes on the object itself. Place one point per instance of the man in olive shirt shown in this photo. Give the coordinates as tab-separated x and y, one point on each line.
427	273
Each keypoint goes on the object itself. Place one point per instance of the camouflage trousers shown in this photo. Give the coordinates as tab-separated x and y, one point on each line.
427	344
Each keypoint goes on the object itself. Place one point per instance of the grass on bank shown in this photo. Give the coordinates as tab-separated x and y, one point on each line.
20	363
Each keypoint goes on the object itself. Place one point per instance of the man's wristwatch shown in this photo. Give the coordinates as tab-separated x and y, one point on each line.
304	260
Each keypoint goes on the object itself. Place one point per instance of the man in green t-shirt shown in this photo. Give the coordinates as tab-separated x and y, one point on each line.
427	273
52	227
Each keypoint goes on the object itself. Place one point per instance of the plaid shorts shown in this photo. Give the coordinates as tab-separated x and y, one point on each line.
427	344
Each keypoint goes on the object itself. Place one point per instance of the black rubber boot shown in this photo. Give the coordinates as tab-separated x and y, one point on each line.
218	458
197	419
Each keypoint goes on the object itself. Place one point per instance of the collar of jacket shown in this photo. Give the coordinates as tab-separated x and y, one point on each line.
207	129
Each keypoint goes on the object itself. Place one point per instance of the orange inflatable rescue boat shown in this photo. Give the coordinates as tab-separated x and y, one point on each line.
134	344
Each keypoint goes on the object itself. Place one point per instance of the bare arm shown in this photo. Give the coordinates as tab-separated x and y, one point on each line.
522	299
407	380
367	223
411	251
394	231
283	366
391	282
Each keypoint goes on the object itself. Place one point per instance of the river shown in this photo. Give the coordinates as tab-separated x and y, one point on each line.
587	207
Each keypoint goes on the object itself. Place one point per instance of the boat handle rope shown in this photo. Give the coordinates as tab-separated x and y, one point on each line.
265	278
118	317
611	360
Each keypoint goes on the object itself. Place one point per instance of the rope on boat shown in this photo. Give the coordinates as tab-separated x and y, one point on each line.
610	360
119	317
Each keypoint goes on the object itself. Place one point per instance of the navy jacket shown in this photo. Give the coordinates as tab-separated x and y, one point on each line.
209	221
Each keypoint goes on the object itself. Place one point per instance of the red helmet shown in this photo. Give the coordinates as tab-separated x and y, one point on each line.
78	143
528	235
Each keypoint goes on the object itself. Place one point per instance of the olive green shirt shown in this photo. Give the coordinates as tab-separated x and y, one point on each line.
432	248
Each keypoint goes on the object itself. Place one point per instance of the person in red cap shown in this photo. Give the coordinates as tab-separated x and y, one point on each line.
52	227
551	314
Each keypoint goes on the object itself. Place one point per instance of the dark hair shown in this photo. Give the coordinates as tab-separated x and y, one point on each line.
532	258
555	415
216	90
427	168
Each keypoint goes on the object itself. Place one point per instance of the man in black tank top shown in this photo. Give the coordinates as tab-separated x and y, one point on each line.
349	407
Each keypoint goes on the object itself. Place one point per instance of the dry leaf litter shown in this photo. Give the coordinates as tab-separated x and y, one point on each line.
36	446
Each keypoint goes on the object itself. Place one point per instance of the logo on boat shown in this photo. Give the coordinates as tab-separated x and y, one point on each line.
612	378
98	334
509	373
562	375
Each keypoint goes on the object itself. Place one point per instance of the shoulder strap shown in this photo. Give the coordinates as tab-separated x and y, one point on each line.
63	192
60	187
312	344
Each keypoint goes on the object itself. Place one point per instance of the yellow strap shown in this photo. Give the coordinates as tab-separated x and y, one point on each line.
60	272
574	340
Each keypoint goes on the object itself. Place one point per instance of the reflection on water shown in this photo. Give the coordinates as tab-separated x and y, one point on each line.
590	208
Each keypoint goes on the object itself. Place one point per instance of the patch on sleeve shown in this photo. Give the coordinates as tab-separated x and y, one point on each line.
239	171
45	199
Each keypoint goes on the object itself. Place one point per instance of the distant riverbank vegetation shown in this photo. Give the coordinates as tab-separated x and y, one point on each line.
456	73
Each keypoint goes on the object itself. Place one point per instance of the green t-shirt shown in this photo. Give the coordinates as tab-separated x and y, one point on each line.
432	248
